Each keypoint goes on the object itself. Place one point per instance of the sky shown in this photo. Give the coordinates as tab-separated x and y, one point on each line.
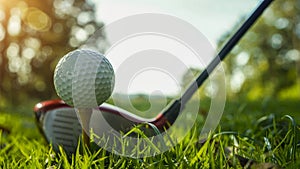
212	18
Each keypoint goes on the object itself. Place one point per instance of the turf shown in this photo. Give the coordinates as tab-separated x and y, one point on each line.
242	140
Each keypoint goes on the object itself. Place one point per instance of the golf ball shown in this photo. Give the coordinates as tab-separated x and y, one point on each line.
84	78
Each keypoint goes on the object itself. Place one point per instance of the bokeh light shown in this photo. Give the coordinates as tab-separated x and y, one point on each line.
37	19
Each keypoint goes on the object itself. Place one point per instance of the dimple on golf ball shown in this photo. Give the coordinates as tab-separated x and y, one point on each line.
84	78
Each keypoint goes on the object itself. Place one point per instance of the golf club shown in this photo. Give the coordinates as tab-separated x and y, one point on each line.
65	124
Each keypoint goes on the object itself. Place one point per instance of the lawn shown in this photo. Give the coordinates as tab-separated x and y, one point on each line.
250	135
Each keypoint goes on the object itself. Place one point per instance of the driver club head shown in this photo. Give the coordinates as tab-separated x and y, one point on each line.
59	123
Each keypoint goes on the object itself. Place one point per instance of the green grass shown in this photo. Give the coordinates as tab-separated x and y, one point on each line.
245	138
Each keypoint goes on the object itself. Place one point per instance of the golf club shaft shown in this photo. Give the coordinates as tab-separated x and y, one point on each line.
177	105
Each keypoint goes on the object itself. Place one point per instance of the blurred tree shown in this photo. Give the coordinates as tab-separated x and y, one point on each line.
267	60
34	35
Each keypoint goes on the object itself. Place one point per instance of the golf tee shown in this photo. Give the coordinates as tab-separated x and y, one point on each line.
84	117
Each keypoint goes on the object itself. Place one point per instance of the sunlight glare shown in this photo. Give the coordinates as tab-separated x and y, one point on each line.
14	25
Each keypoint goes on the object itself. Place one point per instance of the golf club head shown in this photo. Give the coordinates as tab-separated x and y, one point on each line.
60	125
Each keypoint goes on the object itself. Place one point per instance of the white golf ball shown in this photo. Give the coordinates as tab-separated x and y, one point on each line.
84	78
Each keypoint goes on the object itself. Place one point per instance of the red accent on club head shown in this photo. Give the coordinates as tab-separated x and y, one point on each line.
49	105
161	122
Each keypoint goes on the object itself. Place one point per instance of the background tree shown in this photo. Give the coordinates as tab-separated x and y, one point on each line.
34	35
267	60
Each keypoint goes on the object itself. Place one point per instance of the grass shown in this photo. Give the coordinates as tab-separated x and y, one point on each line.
245	138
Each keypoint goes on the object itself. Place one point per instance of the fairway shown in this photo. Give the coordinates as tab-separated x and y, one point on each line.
245	138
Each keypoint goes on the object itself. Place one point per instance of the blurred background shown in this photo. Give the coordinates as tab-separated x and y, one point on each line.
34	35
262	71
